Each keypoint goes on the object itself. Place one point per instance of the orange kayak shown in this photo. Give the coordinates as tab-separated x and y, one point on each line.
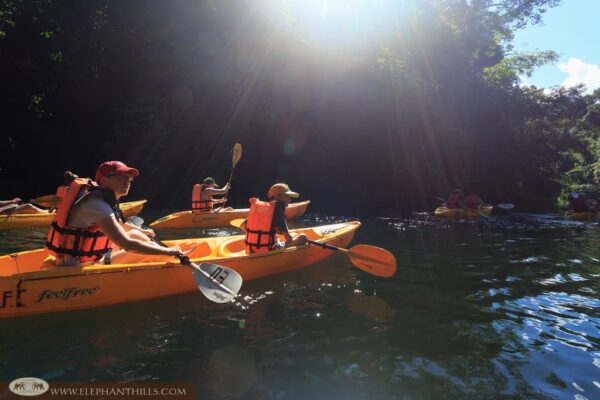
461	213
188	219
14	221
31	284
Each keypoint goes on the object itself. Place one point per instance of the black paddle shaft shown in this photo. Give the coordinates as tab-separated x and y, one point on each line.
324	245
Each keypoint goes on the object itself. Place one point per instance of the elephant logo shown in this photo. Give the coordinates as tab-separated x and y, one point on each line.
28	386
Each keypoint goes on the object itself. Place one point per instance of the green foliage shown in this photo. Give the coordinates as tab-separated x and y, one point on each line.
510	68
431	101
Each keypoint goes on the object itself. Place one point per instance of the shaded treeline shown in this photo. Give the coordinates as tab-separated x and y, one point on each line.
377	123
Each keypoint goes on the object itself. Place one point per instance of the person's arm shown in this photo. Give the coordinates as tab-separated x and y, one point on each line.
218	192
4	203
128	226
115	232
280	224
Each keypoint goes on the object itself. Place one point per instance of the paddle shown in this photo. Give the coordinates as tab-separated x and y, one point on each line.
218	283
235	158
373	260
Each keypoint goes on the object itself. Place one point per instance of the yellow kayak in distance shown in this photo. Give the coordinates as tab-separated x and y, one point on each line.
189	219
17	221
461	213
33	285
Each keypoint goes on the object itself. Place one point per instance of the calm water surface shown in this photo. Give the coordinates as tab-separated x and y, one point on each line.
502	308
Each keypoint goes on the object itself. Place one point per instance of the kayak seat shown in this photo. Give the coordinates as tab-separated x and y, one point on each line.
312	234
200	250
232	248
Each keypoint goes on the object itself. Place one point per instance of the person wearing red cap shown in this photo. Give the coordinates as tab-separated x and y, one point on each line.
266	219
88	220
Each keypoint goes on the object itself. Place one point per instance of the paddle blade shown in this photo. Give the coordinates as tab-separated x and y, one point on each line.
237	154
374	260
136	221
218	283
237	222
505	206
50	200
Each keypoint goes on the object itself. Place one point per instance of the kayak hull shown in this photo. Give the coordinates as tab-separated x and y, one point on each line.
582	216
16	221
188	219
461	213
29	285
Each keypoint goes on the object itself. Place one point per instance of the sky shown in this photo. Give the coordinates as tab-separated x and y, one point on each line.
573	31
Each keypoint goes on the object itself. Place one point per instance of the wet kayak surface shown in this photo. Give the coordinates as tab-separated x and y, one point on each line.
501	307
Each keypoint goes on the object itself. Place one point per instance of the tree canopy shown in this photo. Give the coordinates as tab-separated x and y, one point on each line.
377	120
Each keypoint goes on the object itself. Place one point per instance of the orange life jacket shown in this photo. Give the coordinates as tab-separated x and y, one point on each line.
87	244
260	234
62	191
199	205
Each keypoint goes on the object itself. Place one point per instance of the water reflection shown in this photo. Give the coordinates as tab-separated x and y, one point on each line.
505	307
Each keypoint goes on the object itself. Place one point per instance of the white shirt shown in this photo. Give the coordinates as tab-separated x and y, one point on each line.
91	210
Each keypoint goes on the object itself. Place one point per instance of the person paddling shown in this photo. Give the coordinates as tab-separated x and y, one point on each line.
473	202
580	204
266	219
88	222
202	196
455	200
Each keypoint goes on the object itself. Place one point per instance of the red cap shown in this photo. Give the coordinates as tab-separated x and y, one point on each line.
114	168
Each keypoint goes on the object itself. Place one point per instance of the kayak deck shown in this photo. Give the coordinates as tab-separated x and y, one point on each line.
189	219
32	285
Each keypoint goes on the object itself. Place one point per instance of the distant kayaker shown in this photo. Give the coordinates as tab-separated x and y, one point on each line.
473	201
202	196
580	203
455	200
266	219
16	206
88	220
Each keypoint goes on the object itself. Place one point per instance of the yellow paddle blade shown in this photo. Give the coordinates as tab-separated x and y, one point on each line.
50	200
236	222
374	260
237	154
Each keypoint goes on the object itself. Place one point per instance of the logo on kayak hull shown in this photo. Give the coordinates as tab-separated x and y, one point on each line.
66	293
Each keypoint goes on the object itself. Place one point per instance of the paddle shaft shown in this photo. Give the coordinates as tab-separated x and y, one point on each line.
328	246
237	154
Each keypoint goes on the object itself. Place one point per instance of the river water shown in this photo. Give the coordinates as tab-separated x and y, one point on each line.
505	307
